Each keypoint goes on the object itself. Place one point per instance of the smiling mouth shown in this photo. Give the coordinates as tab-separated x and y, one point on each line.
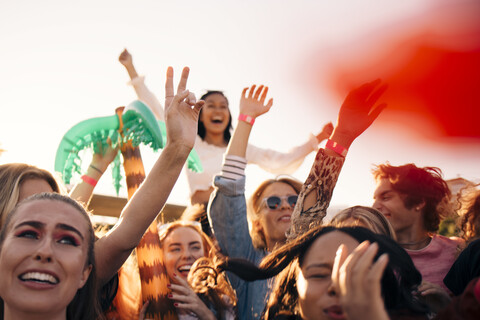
217	121
334	312
185	269
39	277
286	218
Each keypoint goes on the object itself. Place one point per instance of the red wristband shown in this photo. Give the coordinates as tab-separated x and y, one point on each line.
248	119
332	145
89	180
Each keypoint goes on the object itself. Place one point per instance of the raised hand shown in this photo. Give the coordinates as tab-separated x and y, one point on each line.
181	111
125	58
356	279
358	111
102	159
253	104
187	301
325	133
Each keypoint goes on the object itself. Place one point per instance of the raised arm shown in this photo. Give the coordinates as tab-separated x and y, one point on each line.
138	83
181	117
286	162
83	190
356	114
227	208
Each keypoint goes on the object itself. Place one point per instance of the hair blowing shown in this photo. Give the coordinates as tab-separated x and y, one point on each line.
400	277
419	185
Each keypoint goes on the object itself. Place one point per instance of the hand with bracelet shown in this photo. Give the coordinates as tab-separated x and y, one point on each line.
83	190
357	113
253	104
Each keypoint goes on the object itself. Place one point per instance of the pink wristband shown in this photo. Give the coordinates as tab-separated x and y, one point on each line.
248	119
332	145
89	180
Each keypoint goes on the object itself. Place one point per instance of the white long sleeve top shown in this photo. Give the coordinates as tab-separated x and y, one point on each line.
211	156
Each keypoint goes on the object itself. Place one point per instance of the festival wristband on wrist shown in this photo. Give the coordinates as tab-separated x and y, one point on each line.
89	180
248	119
332	145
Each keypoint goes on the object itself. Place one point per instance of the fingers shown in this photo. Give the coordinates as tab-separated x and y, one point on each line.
351	265
269	104
340	256
180	96
257	93
244	93
191	99
264	95
182	85
377	94
143	311
365	90
169	93
376	271
376	112
252	90
198	105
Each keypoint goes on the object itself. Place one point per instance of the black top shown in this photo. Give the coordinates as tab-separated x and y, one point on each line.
464	269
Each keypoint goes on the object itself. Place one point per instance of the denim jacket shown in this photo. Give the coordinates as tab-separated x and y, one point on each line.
228	218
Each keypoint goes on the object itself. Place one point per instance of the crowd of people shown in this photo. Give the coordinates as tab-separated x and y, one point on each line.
273	256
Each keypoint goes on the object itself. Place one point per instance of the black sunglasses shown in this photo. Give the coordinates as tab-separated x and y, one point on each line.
274	202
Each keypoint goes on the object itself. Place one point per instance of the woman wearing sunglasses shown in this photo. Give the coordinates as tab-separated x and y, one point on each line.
251	234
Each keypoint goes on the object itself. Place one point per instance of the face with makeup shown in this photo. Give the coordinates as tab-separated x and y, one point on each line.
43	257
316	297
182	247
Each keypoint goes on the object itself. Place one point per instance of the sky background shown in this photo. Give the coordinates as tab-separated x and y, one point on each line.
59	66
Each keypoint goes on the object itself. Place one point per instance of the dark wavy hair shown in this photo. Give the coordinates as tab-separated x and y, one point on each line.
85	304
227	134
419	185
400	277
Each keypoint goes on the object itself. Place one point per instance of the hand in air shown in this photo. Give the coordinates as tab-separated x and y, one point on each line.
125	58
181	111
253	103
358	111
326	132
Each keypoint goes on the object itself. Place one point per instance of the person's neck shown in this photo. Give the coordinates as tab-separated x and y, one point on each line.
13	314
413	240
215	139
272	244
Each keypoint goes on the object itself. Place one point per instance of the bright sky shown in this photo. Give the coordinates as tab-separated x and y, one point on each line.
59	66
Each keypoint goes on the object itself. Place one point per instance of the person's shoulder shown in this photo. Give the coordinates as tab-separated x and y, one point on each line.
449	241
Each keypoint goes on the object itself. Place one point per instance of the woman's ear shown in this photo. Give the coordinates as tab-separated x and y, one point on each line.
257	226
85	274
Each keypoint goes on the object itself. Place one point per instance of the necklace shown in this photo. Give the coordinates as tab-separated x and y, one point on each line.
414	243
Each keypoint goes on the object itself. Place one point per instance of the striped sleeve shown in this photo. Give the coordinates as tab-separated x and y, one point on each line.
233	167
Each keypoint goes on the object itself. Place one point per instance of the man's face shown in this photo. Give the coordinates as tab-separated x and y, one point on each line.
390	203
